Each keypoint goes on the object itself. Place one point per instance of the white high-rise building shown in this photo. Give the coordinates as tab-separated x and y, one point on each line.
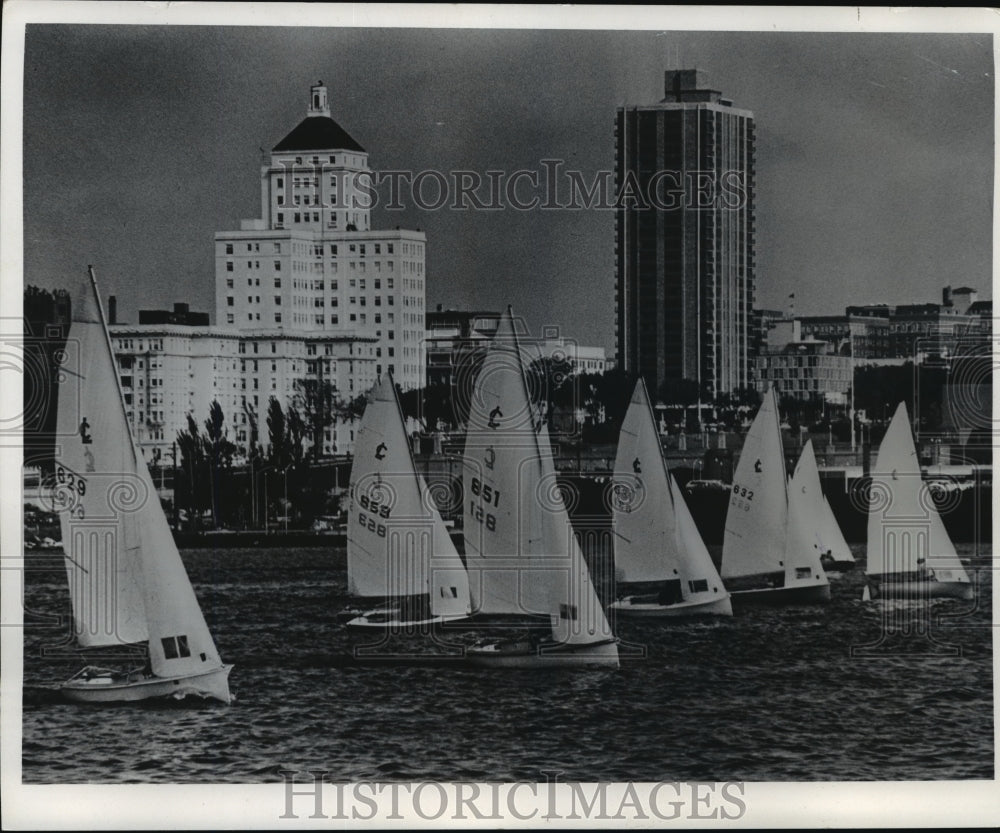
313	264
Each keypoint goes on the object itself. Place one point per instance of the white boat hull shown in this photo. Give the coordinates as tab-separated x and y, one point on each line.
794	595
104	689
381	623
890	590
651	610
523	653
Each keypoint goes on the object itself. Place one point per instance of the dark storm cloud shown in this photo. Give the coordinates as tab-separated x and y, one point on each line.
874	153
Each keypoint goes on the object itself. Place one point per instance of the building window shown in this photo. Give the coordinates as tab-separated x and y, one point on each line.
277	283
229	248
229	283
229	318
229	266
277	266
388	248
229	301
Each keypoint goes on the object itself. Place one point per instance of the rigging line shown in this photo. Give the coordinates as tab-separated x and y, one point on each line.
76	563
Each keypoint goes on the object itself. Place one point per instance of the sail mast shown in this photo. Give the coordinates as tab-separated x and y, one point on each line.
524	384
659	448
114	365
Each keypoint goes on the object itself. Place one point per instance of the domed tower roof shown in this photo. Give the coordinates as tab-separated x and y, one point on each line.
318	131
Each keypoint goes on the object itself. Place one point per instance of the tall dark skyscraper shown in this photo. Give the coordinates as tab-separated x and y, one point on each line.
685	237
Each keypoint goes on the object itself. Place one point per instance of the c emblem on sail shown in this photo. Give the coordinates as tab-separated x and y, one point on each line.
496	412
380	451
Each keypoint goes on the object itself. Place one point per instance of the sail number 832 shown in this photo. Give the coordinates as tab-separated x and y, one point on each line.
489	497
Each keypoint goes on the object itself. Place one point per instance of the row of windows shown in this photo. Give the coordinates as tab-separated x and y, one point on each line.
255	247
128	345
349	161
253	265
352	283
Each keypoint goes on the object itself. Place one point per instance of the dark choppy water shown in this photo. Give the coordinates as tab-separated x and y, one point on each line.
769	695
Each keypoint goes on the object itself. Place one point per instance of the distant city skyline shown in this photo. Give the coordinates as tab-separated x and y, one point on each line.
874	154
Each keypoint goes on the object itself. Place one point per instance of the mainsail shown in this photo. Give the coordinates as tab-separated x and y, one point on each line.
521	553
655	536
905	531
397	544
826	536
645	525
756	523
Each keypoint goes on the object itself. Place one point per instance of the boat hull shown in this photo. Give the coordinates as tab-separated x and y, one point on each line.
210	685
364	623
527	654
648	610
772	596
890	590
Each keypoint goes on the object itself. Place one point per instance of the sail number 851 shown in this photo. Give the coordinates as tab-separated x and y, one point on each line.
489	496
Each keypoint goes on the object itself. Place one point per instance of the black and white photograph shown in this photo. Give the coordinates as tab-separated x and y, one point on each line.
480	417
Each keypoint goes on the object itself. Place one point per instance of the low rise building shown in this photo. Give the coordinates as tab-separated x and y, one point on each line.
168	371
804	368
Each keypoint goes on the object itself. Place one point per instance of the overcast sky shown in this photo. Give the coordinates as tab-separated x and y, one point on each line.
874	154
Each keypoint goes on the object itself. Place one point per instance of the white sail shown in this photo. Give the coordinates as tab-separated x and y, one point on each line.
397	544
802	564
700	579
498	499
833	537
95	474
643	514
449	583
179	640
521	552
655	536
905	531
825	533
756	520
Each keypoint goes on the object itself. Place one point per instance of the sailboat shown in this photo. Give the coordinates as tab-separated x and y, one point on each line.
656	539
522	556
768	555
910	554
127	581
397	545
827	539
